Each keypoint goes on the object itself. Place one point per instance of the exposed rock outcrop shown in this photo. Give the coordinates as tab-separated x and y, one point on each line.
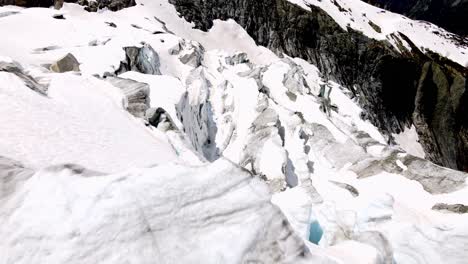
29	81
159	118
113	5
92	6
137	93
440	114
59	16
28	3
66	64
141	59
384	80
237	58
454	208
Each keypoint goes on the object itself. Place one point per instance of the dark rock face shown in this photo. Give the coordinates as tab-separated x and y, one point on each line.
159	118
454	208
384	80
448	14
59	16
28	80
144	60
440	114
113	5
28	3
92	6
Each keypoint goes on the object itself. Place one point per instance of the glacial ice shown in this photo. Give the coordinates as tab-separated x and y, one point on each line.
252	163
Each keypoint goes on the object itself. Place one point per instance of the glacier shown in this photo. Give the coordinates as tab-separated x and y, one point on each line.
175	145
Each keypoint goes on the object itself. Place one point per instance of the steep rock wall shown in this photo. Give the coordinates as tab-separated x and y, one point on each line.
112	5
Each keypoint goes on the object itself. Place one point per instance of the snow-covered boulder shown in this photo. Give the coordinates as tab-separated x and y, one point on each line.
66	64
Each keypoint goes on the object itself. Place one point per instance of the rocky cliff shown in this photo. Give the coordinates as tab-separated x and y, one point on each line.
113	5
28	3
388	83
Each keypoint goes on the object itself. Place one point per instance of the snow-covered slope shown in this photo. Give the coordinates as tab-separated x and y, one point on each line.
169	213
382	25
226	135
447	14
81	120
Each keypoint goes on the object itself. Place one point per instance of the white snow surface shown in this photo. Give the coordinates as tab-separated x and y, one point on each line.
169	213
81	121
408	140
193	194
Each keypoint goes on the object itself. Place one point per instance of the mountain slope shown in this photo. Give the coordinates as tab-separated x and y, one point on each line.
378	56
143	215
450	15
185	146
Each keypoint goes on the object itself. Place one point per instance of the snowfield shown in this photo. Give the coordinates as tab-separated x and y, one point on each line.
230	155
169	213
43	131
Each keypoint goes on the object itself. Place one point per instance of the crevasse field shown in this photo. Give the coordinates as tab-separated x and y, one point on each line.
206	149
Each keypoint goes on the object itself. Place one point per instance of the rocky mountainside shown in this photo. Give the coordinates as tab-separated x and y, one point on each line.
448	14
230	132
92	5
